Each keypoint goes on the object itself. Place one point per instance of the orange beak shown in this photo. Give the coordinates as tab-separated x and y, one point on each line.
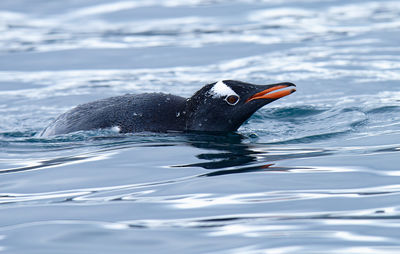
267	93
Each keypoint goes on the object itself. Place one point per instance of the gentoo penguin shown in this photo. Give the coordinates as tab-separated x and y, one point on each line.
217	107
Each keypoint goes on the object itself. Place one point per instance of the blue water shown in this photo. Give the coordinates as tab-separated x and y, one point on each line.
315	172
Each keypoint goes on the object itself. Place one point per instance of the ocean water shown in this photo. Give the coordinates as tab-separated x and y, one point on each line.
315	172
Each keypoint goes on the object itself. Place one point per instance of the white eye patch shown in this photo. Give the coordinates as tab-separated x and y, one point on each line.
220	89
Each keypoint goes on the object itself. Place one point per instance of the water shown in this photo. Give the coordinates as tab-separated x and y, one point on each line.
317	171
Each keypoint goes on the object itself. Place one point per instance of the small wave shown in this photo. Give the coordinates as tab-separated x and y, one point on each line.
304	124
291	112
384	110
17	134
312	138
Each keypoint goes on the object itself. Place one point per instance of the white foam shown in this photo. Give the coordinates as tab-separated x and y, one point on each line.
116	129
220	89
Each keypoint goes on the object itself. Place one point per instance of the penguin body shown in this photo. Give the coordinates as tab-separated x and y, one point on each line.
218	107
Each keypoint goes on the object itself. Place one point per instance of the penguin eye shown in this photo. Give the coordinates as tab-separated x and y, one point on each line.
232	99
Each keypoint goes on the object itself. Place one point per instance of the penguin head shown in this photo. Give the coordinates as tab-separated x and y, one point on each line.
225	105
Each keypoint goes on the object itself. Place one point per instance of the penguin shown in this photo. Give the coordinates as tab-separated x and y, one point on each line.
221	106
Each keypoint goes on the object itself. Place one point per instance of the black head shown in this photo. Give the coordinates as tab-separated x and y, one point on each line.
225	105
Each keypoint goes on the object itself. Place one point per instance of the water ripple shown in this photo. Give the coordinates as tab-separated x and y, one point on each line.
148	194
62	31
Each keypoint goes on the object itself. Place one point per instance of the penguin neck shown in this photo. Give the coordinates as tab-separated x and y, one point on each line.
196	118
